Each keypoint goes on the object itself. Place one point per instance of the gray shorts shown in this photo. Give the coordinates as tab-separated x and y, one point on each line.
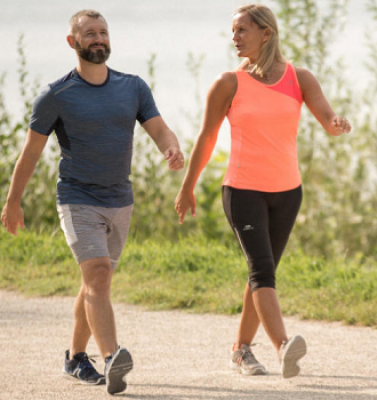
93	232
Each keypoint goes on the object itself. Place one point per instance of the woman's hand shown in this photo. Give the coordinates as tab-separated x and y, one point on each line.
184	201
341	125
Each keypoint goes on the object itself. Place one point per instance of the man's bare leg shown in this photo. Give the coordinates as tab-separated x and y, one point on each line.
96	283
81	330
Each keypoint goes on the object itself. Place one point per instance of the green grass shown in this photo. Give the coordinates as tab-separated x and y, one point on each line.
196	275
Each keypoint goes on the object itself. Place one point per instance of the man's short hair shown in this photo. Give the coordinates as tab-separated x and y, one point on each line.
73	22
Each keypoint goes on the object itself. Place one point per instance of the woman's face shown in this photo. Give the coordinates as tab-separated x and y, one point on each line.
248	37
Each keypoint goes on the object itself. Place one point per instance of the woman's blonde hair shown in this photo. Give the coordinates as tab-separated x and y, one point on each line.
270	51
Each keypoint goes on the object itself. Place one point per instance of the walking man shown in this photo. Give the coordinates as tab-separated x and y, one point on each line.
93	111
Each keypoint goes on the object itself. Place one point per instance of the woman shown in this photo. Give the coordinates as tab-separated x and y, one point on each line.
262	193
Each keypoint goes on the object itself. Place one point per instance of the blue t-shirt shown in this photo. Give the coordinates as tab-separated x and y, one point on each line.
94	125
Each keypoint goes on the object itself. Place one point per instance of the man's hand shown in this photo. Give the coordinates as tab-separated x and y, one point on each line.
12	217
175	158
166	142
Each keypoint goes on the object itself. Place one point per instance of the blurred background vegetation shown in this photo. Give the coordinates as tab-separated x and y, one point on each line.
339	174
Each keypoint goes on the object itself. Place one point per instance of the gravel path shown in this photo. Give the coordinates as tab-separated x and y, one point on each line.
178	356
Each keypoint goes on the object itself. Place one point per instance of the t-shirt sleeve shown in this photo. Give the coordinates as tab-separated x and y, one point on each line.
44	114
147	106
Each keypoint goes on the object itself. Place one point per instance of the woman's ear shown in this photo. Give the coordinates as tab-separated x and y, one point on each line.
267	34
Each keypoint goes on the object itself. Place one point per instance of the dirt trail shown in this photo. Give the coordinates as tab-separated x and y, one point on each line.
178	356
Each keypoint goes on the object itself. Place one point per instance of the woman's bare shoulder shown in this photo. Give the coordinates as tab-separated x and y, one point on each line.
304	75
227	78
223	89
226	82
306	80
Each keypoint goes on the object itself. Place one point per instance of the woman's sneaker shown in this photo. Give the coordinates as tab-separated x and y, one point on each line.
118	365
80	367
244	361
290	353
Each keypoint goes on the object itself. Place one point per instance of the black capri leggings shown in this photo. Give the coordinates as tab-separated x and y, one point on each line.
262	223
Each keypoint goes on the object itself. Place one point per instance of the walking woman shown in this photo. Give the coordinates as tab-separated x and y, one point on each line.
262	191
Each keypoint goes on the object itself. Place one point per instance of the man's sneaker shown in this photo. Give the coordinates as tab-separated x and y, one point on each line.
81	368
118	365
290	353
244	361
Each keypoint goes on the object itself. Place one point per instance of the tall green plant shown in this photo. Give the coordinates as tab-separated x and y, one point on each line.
39	198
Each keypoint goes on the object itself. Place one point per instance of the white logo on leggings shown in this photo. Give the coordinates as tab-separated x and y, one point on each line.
248	228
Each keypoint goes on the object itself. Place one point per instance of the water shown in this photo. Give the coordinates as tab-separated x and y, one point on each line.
169	28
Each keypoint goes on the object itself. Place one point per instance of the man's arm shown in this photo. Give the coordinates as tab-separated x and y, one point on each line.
166	142
12	215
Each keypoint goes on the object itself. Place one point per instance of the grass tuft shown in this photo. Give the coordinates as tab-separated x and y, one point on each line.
196	275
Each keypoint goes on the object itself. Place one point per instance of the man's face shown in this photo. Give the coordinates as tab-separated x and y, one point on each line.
92	41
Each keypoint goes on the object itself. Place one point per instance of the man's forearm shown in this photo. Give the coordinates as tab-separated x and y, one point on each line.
166	140
25	166
23	171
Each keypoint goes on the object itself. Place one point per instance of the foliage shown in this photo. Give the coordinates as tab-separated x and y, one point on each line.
39	199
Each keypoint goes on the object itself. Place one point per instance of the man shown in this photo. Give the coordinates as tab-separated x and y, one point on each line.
93	111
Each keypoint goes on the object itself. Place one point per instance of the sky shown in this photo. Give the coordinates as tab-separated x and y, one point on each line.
170	28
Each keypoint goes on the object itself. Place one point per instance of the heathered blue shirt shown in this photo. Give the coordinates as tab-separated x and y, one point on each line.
94	125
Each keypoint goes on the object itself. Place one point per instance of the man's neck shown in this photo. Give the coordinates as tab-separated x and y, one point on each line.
95	74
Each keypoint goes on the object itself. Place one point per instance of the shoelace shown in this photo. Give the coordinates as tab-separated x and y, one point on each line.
247	355
85	362
86	359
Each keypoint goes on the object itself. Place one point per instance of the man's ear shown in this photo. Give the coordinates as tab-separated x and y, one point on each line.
71	41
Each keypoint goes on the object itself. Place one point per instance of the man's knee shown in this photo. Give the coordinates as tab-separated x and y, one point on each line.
96	276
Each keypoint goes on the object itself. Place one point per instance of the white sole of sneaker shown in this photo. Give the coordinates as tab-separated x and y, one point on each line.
120	365
78	381
255	371
294	351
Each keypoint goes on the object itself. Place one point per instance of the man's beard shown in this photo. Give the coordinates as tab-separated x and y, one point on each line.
97	56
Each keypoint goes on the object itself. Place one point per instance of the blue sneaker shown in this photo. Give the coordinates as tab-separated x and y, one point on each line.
118	365
81	368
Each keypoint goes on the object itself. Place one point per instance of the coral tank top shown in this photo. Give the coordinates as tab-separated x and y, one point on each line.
264	121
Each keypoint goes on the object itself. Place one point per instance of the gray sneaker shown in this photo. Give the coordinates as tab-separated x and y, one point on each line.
290	353
244	361
118	365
